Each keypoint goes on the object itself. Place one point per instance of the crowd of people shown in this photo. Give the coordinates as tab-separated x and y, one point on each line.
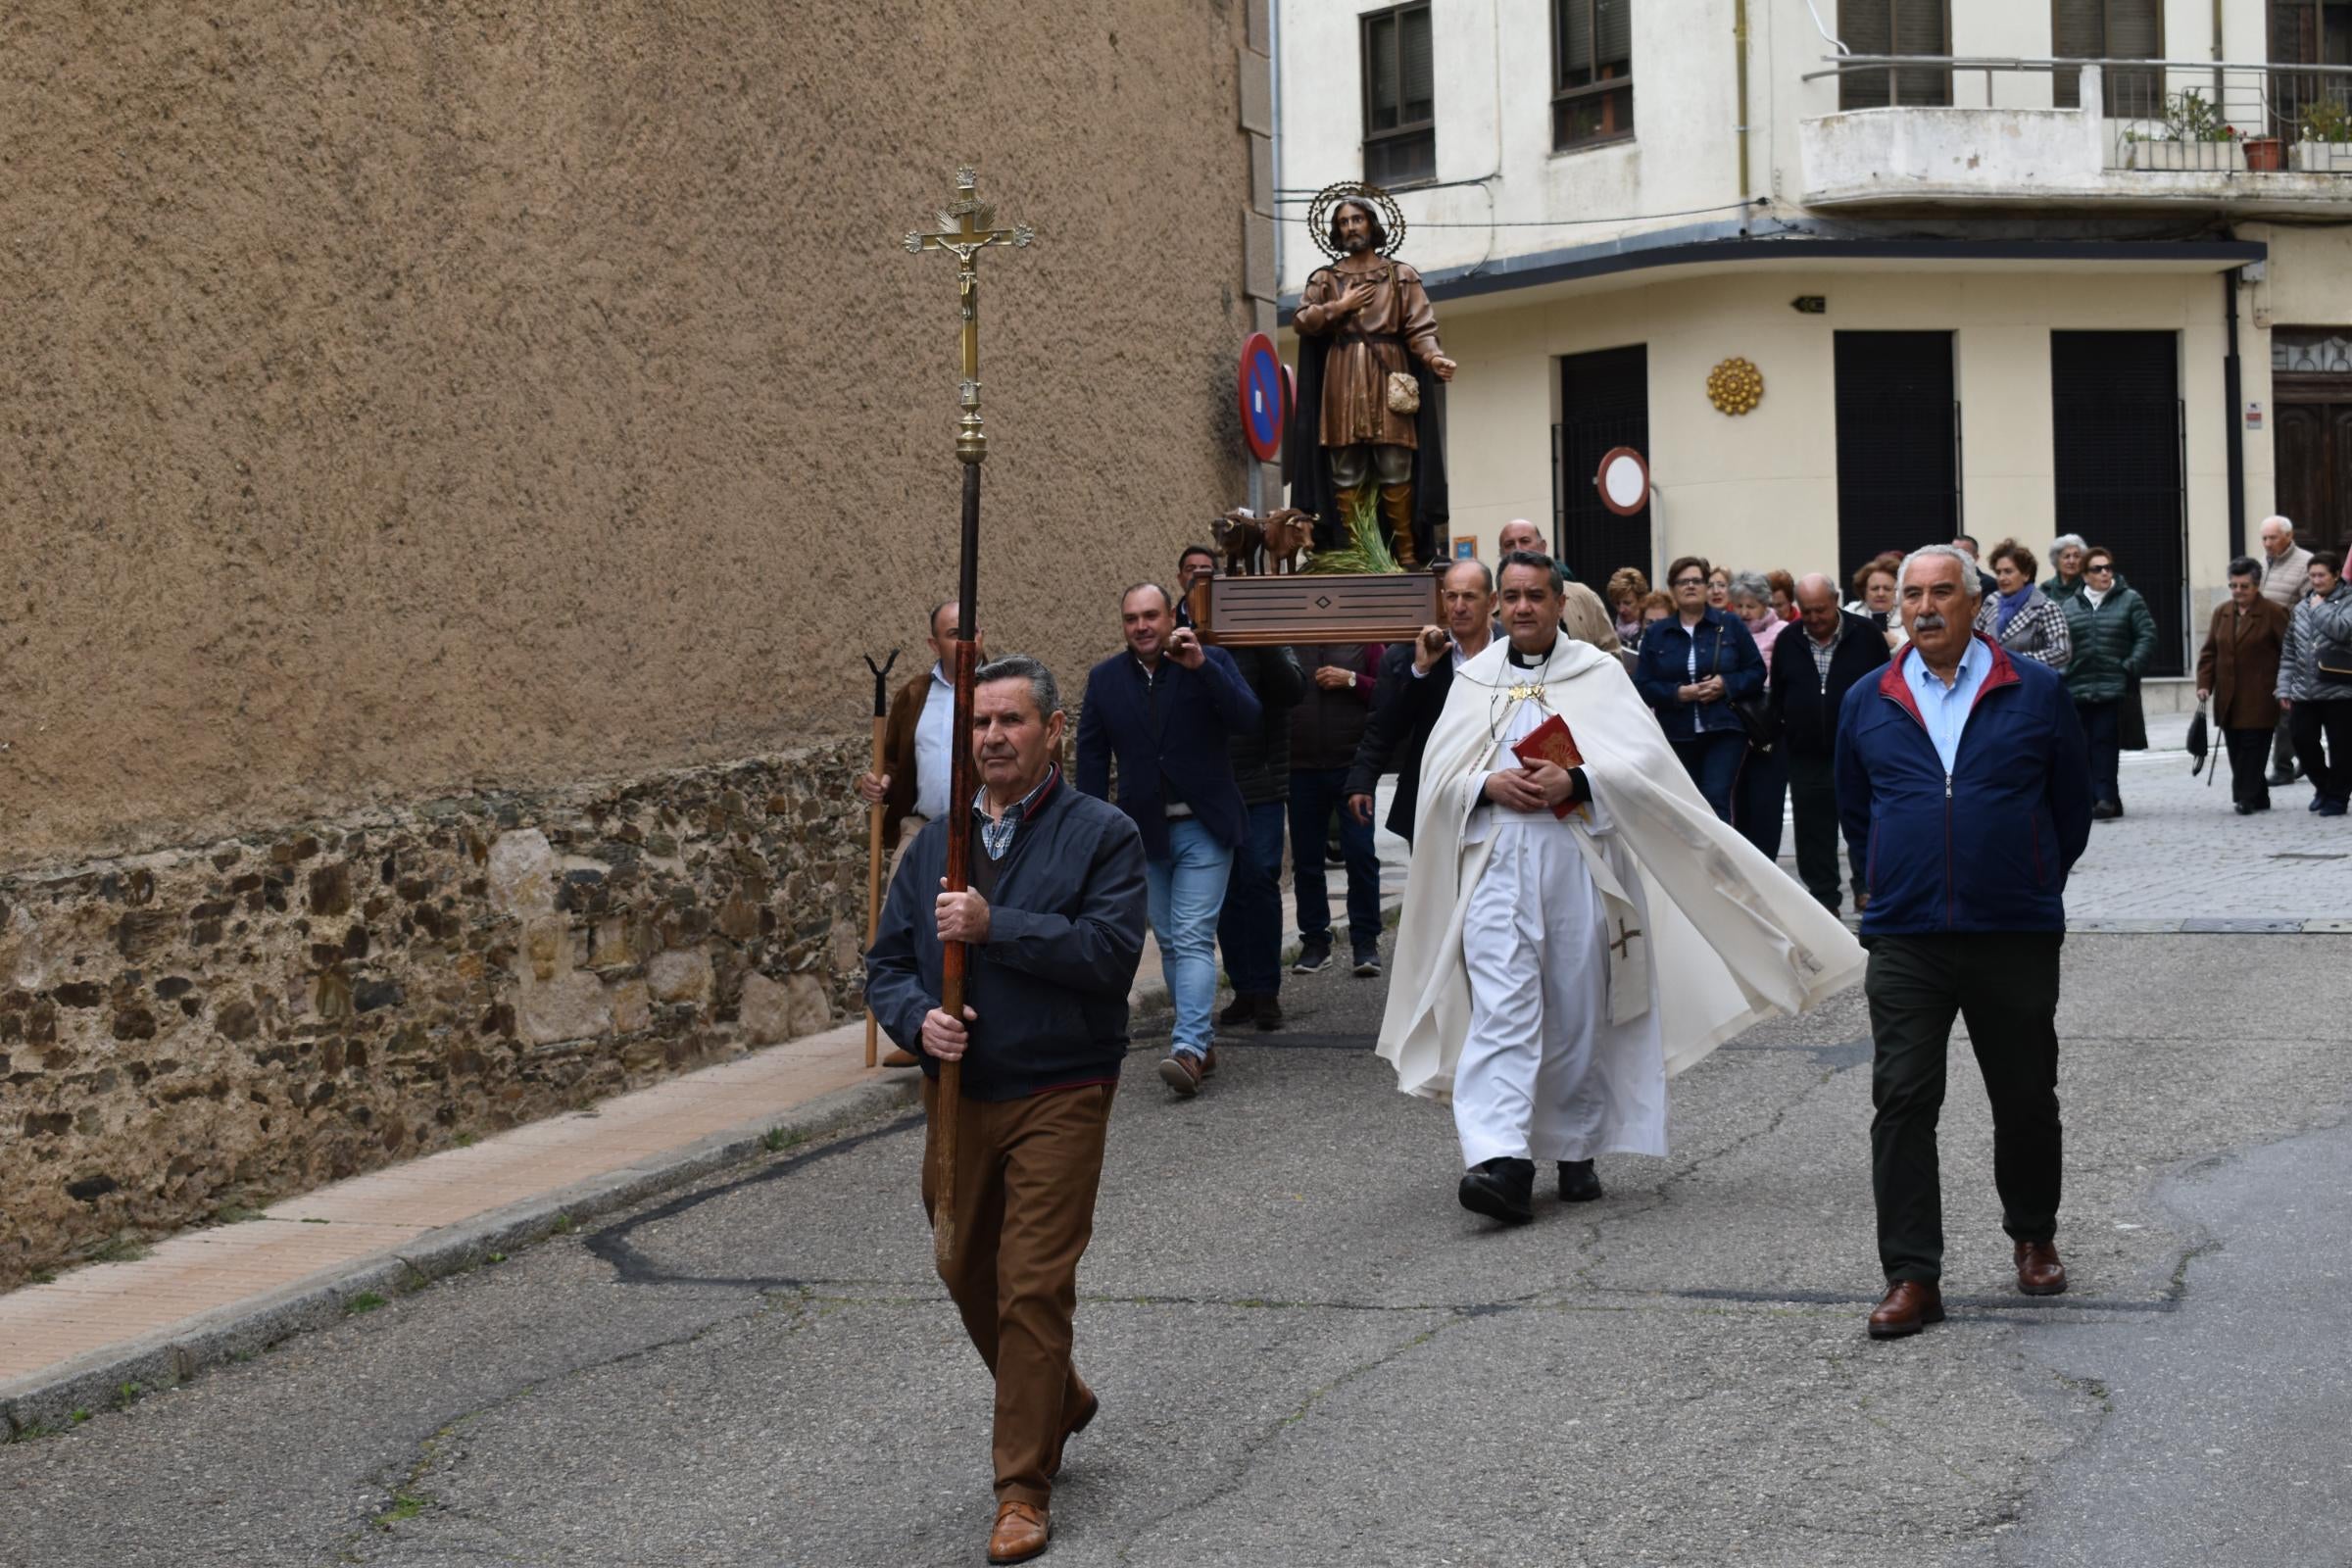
1586	921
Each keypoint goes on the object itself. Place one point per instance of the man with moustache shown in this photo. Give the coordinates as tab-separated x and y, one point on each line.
1410	693
1054	924
1362	321
1964	785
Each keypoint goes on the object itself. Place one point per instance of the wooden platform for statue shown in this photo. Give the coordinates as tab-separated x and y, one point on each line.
1309	607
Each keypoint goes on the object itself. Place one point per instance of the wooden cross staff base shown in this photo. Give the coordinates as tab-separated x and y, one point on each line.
1382	607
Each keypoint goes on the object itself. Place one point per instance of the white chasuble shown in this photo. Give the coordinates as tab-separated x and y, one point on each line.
1561	1058
1715	936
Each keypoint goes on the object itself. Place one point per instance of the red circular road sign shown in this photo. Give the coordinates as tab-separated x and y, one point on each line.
1265	397
1623	480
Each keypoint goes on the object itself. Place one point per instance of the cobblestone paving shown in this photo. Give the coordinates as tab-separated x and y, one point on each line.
2180	860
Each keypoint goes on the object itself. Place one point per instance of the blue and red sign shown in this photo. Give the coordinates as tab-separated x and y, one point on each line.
1265	397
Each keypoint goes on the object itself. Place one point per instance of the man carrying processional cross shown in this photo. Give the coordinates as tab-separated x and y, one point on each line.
1578	923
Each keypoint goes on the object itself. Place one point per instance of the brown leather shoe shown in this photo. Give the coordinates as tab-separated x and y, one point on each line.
1183	1071
2039	1271
1907	1308
1021	1533
901	1058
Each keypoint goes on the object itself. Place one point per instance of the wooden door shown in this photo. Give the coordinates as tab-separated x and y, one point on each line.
2313	451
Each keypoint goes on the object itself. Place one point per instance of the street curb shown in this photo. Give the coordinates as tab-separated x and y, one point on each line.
114	1377
45	1403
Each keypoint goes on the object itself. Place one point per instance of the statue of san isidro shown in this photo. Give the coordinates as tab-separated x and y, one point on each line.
1369	409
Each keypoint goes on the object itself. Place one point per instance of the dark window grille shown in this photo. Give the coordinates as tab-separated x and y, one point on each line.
1604	404
1591	72
1895	27
1899	445
2117	426
1401	134
2109	29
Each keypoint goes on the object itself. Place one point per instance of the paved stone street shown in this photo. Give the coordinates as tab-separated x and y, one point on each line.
1309	1355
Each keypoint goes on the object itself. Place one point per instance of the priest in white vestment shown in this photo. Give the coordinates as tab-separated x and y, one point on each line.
1551	973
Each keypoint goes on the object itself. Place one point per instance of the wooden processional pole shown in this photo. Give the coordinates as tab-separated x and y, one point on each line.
967	227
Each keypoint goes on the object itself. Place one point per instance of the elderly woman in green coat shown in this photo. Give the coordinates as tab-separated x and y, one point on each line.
2114	638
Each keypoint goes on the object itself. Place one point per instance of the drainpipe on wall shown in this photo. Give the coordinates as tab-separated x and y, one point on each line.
2218	55
2233	407
1739	58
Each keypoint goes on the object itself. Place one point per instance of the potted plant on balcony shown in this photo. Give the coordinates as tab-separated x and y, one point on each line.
2324	140
2192	137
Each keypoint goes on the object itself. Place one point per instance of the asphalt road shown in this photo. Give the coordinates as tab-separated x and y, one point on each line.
1309	1355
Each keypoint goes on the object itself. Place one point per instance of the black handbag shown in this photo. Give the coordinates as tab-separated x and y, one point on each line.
1754	714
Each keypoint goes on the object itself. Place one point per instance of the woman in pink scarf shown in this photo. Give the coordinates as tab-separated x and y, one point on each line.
1760	797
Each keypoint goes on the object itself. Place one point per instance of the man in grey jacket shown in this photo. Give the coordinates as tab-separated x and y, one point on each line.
2314	684
2285	579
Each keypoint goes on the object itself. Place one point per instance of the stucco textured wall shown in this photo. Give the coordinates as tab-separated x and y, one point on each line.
397	400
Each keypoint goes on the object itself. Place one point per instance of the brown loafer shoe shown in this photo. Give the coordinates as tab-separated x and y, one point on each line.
1021	1533
2039	1271
1907	1308
901	1058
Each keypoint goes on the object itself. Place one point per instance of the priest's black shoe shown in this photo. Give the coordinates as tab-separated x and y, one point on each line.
1501	1189
1577	1184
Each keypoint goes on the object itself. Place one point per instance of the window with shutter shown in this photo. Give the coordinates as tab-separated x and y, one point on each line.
2111	30
1400	138
1592	72
2307	32
1895	27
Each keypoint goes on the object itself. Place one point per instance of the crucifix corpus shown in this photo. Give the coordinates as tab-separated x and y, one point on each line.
967	227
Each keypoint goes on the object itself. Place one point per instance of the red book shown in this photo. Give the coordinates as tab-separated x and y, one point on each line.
1550	742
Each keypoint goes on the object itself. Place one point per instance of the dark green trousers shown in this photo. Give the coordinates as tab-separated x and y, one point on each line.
2005	985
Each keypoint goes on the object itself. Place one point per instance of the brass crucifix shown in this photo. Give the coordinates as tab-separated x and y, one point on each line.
967	226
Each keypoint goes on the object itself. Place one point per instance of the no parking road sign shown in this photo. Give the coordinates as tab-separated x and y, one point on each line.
1265	397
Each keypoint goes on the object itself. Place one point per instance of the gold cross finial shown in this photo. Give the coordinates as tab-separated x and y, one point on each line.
967	226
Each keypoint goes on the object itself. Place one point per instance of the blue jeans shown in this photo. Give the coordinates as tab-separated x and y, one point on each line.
1187	890
1314	793
1714	762
2103	728
1250	931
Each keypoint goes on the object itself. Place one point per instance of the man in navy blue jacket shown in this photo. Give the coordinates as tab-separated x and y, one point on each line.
1053	923
1964	789
1166	708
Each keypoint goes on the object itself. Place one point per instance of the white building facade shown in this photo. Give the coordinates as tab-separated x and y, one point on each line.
2012	267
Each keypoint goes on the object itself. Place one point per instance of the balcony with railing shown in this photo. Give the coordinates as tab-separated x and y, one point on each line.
2125	133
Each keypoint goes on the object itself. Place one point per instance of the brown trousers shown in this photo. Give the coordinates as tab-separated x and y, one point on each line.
1026	1173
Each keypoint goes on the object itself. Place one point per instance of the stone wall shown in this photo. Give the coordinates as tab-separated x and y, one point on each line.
221	1025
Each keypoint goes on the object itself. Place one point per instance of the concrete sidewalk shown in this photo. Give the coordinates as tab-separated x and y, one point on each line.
99	1335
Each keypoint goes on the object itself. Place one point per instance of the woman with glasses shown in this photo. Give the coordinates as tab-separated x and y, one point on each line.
2114	638
1694	665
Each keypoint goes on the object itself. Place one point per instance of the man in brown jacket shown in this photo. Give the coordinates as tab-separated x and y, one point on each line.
912	788
2239	672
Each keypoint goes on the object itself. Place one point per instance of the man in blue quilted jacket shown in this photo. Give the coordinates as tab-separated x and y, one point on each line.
1964	791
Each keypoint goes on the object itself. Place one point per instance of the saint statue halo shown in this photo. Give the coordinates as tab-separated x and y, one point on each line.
1329	198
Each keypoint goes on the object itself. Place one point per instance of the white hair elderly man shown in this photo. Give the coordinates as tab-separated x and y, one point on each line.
2285	579
1964	787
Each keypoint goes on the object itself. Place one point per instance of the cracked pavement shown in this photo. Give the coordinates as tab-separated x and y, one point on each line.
1308	1353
